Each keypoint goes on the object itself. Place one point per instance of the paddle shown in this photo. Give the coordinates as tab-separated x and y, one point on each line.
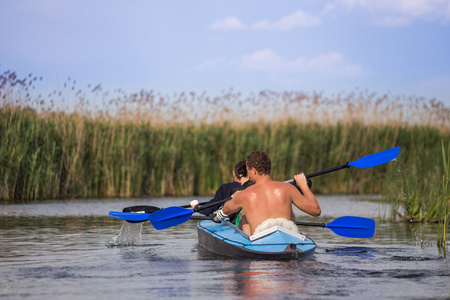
135	216
364	162
140	213
352	227
175	215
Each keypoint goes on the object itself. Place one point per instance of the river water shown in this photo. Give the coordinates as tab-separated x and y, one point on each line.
68	250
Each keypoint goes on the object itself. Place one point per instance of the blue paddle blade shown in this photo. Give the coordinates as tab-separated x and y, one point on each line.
129	216
170	216
376	159
353	227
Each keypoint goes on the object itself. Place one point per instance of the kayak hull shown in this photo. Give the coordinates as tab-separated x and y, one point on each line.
279	244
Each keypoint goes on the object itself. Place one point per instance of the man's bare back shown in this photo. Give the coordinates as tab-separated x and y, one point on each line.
271	199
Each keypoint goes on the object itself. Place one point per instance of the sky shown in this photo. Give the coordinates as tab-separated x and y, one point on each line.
395	47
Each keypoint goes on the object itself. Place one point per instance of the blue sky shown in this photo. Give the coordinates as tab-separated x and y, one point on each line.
400	47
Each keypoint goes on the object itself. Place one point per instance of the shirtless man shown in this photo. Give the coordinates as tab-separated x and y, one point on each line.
269	201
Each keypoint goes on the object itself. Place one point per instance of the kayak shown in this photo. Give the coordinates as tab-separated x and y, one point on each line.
275	243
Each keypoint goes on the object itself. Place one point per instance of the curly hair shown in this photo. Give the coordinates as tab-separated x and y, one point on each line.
259	160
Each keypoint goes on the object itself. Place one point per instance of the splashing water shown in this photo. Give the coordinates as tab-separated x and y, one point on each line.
130	234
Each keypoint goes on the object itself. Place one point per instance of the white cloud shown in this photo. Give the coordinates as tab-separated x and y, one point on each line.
330	64
263	60
394	12
229	24
297	19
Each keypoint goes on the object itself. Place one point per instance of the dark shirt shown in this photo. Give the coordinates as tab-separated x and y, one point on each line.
223	192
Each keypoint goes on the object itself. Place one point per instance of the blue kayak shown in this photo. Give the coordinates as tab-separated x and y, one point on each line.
275	243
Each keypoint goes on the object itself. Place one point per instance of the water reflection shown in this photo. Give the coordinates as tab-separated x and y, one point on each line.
263	279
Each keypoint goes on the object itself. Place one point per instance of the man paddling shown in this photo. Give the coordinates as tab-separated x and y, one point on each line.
268	203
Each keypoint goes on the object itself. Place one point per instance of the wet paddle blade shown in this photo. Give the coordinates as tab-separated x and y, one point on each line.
129	216
170	216
376	159
353	227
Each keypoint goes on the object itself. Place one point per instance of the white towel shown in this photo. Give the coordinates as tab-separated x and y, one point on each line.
285	223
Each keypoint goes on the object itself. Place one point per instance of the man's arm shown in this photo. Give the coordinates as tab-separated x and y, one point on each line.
229	207
233	205
306	202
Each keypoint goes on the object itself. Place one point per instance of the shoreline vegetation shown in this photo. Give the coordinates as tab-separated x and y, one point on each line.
95	144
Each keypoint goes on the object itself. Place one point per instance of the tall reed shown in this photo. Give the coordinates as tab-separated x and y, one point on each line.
148	144
72	156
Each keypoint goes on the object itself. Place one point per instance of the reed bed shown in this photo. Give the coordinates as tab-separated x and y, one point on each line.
94	144
420	196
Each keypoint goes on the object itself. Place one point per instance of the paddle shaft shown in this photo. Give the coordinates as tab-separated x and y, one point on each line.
329	170
311	224
200	207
